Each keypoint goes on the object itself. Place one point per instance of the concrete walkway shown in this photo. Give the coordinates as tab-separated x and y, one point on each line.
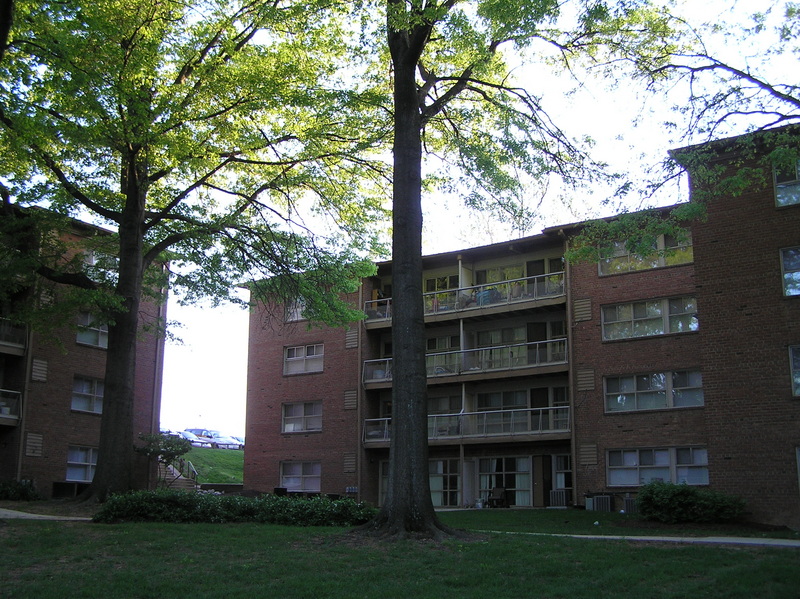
742	541
9	514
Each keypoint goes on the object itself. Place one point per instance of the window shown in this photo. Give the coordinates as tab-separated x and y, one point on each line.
294	310
443	476
790	266
652	317
510	473
87	394
90	332
787	185
301	477
654	391
303	358
81	462
441	283
634	467
499	273
794	358
667	251
301	417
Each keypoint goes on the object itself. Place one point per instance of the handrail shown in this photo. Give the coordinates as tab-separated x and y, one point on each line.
9	403
12	334
484	423
479	360
477	296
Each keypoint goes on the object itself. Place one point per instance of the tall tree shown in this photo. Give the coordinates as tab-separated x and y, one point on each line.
197	133
453	95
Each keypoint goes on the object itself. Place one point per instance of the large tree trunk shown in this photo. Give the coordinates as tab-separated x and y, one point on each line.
115	461
408	508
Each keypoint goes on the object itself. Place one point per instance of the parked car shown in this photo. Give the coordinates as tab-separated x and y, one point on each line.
224	441
194	439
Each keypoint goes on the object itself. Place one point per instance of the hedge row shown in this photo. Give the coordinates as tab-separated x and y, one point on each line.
184	507
672	503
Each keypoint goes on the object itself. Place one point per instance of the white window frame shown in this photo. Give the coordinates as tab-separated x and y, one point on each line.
790	275
301	477
90	393
794	368
628	392
81	463
676	315
787	186
294	310
302	417
91	333
302	359
667	252
636	467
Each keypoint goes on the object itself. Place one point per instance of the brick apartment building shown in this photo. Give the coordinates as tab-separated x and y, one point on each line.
564	384
51	397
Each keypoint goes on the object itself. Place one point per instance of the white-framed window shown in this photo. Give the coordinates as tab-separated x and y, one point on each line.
87	394
794	365
302	417
667	251
81	463
654	391
90	332
634	467
294	310
303	358
790	267
497	274
301	477
650	317
787	185
444	478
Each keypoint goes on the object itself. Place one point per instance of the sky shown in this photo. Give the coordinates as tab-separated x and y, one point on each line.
205	376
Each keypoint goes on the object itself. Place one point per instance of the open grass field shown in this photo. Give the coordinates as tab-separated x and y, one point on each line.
73	559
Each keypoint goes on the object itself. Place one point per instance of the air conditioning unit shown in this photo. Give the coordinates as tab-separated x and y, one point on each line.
599	503
630	505
558	498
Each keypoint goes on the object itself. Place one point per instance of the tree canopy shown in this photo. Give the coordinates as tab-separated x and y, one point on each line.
199	135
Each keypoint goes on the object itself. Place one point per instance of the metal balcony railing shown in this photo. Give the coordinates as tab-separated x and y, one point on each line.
477	296
479	360
9	403
12	334
493	423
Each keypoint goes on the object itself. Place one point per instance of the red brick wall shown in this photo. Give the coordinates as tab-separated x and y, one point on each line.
268	389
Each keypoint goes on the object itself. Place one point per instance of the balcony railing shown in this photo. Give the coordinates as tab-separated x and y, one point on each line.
495	423
12	334
480	360
9	403
478	296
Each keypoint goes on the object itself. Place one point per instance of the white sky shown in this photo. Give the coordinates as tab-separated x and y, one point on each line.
205	378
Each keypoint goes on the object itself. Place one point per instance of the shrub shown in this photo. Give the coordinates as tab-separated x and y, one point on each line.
672	503
17	490
180	506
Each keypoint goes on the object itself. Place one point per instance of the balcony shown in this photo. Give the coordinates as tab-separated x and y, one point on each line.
9	407
458	301
479	425
478	361
13	337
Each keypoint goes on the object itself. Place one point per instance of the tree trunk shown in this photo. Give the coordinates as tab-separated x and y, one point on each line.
115	461
408	508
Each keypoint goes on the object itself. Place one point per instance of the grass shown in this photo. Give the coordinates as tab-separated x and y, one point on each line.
64	560
217	465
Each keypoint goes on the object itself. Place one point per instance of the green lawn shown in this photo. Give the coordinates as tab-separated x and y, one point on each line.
217	465
62	560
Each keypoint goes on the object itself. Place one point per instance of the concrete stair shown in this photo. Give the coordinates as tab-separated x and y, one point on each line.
174	480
